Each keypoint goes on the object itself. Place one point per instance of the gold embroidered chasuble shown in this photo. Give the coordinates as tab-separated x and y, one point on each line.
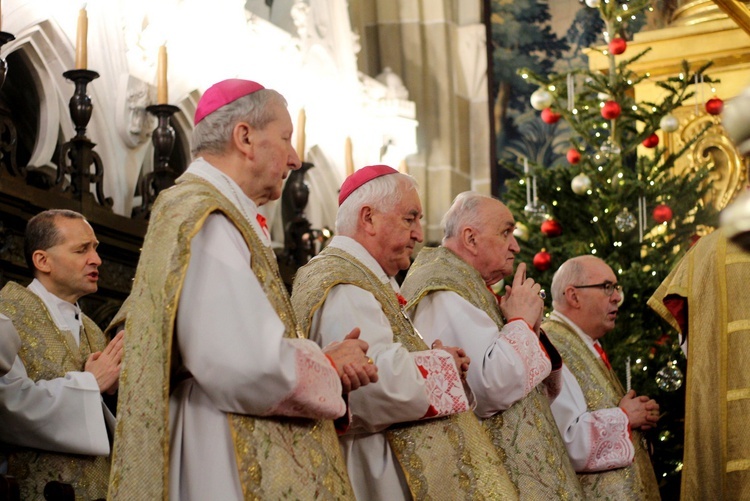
48	353
525	434
444	458
276	457
713	278
603	390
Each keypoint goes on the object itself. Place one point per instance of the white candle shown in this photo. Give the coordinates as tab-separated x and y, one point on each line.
301	120
81	40
534	189
627	375
162	89
641	217
348	157
528	180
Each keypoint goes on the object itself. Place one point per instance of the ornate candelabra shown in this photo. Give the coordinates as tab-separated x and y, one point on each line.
301	240
78	155
163	176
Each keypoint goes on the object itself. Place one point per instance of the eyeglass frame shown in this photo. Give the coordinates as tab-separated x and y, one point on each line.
605	286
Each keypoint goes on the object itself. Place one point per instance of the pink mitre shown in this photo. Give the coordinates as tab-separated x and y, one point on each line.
363	176
223	93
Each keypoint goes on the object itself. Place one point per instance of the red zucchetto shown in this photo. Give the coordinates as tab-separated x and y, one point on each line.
363	176
223	93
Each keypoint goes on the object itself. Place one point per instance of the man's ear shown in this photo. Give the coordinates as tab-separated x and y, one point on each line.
469	240
365	217
40	259
242	138
571	296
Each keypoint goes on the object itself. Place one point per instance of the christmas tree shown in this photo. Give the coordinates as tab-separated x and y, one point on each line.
596	178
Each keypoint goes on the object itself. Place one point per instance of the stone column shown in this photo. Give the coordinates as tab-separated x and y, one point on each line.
438	49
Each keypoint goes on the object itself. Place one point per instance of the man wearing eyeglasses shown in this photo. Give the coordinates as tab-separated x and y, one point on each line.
600	423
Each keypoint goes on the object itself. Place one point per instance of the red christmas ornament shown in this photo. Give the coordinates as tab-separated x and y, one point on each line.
551	228
662	213
611	110
651	141
549	116
694	239
662	340
714	106
617	46
542	260
574	156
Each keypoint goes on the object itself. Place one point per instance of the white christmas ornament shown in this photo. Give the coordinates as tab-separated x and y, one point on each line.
669	123
603	96
521	232
593	3
625	220
541	99
669	378
536	213
580	184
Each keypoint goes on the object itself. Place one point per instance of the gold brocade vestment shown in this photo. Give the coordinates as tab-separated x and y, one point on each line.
48	353
713	279
525	434
602	390
454	458
276	457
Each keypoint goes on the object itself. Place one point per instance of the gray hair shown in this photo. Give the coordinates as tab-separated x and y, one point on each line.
567	274
382	194
462	213
214	133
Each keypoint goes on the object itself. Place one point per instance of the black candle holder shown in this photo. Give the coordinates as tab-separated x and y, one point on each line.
4	38
163	176
80	105
77	155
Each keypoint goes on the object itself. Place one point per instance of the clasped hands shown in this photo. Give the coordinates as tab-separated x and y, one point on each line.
353	365
522	300
460	357
642	411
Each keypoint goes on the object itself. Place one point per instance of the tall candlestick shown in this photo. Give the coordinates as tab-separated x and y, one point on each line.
627	374
528	180
534	196
301	119
82	40
348	157
162	90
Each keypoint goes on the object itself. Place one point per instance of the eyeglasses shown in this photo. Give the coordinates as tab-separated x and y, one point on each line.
608	287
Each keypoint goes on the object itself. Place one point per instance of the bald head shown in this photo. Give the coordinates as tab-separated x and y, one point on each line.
584	289
479	230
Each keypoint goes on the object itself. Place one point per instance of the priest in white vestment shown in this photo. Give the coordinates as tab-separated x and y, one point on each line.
510	361
240	370
65	414
377	226
51	408
598	420
515	369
